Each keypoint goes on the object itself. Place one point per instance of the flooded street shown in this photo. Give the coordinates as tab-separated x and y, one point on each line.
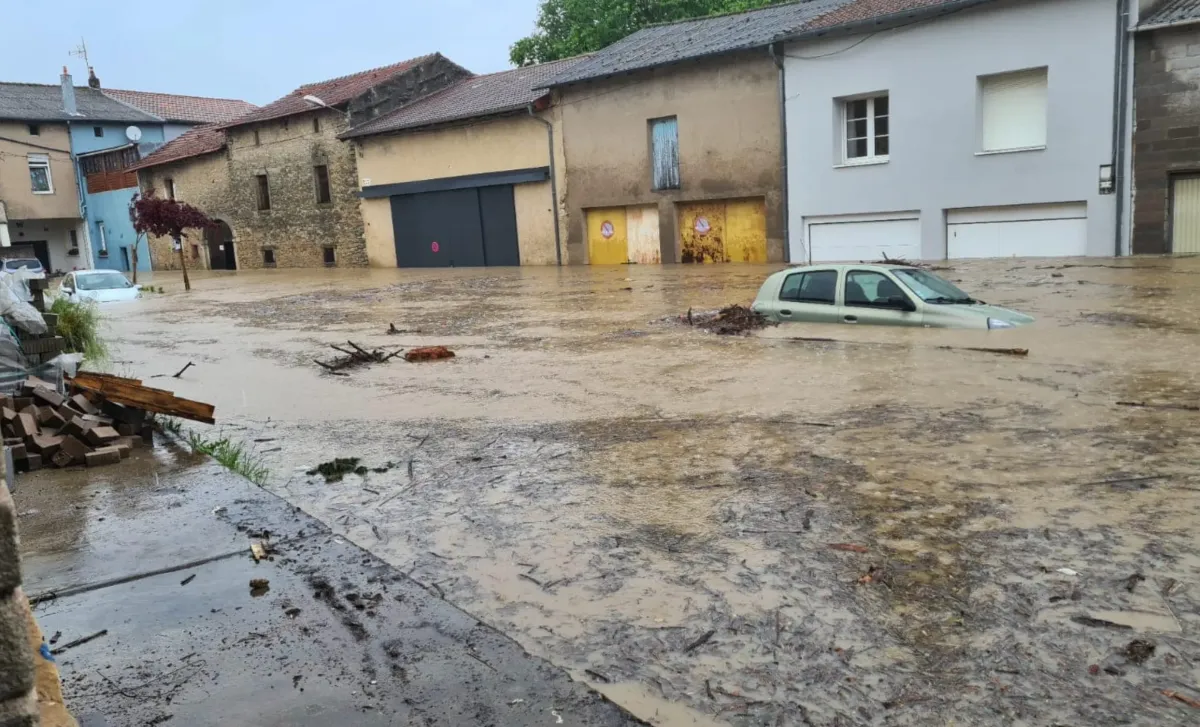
881	529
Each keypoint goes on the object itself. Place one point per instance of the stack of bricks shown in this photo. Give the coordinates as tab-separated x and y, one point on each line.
43	428
41	348
18	697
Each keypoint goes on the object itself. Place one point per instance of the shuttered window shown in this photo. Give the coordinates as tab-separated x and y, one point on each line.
1013	109
664	152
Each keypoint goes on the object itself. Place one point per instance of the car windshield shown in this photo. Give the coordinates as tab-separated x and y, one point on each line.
31	263
930	287
102	281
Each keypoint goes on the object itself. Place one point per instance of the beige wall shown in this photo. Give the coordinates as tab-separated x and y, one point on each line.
729	142
16	144
495	145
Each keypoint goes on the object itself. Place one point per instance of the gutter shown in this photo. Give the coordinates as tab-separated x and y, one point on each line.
35	146
1120	101
881	23
553	182
783	150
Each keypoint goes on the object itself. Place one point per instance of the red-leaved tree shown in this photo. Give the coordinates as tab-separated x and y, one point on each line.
168	218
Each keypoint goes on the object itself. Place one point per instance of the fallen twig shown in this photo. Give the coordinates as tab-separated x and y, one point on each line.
188	580
531	579
1099	623
597	675
700	641
185	368
1145	405
78	642
851	547
1181	698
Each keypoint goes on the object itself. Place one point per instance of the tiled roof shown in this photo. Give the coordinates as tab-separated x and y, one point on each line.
1171	12
660	45
193	142
333	92
43	102
883	11
186	109
495	93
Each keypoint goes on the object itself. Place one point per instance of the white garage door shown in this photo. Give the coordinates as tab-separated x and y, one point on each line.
833	241
1058	230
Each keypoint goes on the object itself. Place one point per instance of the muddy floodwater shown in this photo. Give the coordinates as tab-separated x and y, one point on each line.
881	529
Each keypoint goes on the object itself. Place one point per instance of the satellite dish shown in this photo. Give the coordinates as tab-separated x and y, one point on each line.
133	133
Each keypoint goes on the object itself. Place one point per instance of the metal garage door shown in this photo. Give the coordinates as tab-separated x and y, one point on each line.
456	228
723	231
831	240
1185	215
1051	230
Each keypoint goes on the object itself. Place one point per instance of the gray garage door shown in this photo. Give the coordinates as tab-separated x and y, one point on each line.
456	228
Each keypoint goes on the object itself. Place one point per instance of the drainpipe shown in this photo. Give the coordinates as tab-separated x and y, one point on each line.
1120	101
783	153
553	182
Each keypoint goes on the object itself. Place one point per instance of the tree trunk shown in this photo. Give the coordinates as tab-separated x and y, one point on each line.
187	284
135	260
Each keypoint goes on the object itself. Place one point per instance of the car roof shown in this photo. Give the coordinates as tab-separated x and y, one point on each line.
97	272
880	267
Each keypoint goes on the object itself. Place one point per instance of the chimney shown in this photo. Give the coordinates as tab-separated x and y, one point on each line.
93	82
68	94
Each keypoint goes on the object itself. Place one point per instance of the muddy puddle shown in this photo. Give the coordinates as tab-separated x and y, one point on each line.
879	529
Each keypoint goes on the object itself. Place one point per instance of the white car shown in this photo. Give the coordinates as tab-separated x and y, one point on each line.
32	266
100	286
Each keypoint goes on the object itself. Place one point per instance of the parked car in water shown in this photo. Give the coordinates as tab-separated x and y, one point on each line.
100	286
882	295
31	264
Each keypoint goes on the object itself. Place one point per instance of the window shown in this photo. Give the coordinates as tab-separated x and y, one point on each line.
195	251
35	130
98	131
664	152
816	287
39	174
866	130
330	256
866	289
170	185
1013	110
257	141
321	175
268	257
316	125
73	248
103	251
264	192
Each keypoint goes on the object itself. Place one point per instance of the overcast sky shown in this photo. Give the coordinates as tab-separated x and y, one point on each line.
257	50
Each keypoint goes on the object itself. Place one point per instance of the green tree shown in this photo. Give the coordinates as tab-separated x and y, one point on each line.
566	28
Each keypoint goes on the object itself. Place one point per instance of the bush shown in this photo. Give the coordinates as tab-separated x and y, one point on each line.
79	324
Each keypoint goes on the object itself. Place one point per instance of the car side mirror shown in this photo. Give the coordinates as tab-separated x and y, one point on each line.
902	302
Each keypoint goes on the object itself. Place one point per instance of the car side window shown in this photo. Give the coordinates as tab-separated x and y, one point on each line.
818	286
868	289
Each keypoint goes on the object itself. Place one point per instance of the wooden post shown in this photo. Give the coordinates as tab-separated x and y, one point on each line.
187	284
136	240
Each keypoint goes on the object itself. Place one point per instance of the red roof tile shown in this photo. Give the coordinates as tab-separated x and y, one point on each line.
188	109
334	92
193	142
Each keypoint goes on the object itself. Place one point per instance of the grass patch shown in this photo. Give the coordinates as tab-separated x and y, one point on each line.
236	456
79	324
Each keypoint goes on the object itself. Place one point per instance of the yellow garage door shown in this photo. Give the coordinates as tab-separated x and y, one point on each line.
723	231
608	239
1185	216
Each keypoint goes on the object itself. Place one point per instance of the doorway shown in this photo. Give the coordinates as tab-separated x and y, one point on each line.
221	255
124	259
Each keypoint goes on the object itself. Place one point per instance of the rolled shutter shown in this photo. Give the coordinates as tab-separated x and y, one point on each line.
1014	110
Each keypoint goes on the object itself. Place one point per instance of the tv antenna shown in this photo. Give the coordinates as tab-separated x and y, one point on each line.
81	52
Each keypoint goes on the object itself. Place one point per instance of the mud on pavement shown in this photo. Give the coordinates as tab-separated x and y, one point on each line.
758	530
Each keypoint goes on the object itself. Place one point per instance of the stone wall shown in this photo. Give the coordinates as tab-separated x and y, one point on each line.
18	700
201	182
1166	136
434	74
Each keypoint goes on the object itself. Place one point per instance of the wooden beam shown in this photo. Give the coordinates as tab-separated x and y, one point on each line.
131	392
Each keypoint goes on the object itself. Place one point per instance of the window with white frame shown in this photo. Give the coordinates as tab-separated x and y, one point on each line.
1013	110
39	174
865	129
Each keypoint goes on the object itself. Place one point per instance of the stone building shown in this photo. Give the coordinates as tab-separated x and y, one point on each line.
1166	134
278	180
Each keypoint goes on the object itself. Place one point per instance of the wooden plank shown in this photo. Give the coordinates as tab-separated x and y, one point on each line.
124	391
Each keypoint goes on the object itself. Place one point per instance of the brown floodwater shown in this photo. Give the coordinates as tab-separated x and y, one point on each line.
608	488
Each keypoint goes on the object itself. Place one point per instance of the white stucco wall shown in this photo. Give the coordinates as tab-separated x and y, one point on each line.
930	71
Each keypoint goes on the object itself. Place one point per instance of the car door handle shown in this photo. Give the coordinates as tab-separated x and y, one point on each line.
850	319
785	312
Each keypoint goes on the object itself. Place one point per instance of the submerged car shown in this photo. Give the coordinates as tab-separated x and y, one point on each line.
100	286
881	295
31	265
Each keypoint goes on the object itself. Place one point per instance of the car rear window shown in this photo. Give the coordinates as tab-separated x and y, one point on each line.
17	264
817	286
